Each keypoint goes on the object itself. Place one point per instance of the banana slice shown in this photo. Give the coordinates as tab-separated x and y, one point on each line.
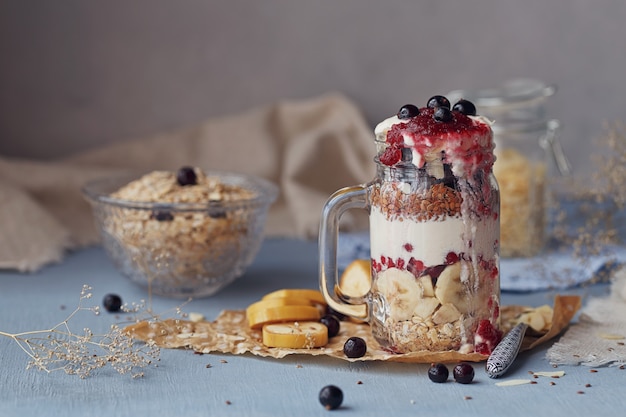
298	335
426	307
314	296
280	314
447	313
276	302
426	284
356	280
401	291
450	290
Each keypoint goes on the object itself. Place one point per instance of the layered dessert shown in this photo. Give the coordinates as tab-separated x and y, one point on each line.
434	227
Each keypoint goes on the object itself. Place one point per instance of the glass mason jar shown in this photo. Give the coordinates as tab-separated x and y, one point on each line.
528	153
434	233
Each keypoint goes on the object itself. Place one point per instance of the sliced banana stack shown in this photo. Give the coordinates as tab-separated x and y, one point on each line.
444	302
289	318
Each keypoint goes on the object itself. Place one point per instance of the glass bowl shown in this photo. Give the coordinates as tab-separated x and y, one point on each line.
182	249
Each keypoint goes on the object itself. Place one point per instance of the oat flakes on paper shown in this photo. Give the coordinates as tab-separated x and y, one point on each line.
229	333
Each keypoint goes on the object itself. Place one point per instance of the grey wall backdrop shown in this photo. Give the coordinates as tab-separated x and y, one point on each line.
79	74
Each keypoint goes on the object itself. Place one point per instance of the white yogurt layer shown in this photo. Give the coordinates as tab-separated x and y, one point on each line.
430	240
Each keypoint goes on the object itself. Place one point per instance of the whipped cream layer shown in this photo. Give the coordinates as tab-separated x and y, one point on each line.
431	241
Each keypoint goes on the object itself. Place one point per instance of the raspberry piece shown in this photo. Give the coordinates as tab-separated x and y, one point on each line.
415	267
487	337
494	272
376	266
394	137
408	247
435	271
452	258
391	156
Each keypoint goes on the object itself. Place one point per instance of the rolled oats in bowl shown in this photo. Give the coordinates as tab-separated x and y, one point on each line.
181	234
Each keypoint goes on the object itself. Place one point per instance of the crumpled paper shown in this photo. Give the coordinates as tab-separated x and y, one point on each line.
230	333
309	148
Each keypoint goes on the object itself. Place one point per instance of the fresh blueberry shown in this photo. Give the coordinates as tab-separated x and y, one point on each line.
217	214
186	176
330	310
331	397
162	216
463	373
332	323
438	101
407	111
442	114
112	303
355	347
438	372
465	106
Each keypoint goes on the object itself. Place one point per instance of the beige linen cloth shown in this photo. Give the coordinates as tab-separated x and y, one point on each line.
309	148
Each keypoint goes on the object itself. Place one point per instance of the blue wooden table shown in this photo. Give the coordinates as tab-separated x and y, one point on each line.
188	384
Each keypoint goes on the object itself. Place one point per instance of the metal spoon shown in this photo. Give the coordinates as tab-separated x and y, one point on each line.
505	353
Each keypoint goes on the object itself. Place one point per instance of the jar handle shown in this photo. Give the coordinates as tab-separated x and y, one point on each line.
550	141
338	203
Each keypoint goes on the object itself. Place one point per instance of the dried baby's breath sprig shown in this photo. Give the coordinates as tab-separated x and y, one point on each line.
60	348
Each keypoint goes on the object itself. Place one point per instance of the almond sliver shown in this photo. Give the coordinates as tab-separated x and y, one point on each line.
550	374
512	382
611	336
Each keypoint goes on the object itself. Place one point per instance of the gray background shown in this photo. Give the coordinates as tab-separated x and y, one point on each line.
79	74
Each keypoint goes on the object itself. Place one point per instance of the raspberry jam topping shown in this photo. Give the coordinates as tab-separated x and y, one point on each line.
459	136
437	133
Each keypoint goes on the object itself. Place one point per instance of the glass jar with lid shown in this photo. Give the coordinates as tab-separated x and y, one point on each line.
528	153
